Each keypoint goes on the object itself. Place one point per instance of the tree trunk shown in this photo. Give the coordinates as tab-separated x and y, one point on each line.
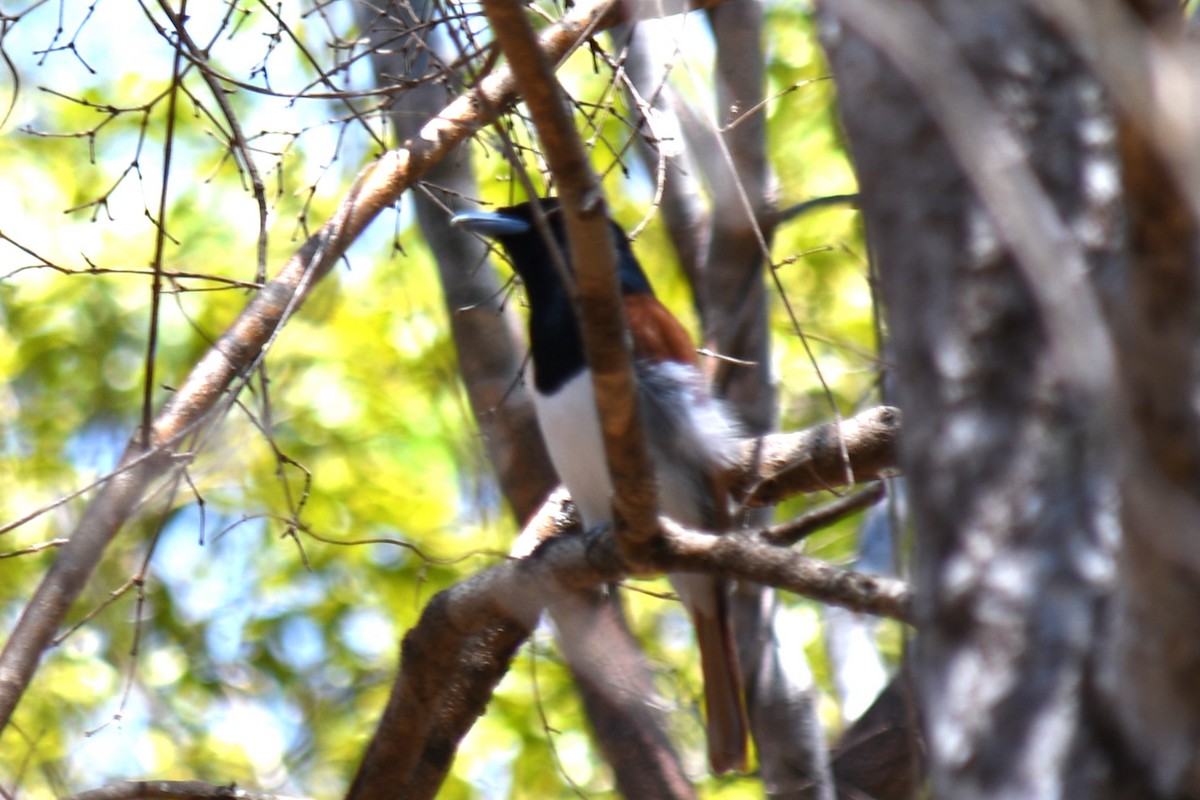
1042	669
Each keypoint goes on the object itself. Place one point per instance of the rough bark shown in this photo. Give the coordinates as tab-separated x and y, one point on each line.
1008	447
1152	652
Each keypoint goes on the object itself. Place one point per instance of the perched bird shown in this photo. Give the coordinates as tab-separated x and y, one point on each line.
688	433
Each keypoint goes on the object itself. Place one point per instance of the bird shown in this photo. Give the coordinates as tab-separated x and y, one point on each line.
690	435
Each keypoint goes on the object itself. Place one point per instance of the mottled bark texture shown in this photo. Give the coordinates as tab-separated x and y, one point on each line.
1041	462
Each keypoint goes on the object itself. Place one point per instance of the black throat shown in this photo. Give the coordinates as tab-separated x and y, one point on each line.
556	344
555	339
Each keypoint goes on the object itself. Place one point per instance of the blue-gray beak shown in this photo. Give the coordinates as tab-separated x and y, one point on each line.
489	223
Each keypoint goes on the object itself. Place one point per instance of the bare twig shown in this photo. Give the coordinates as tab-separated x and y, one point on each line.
160	236
807	524
237	139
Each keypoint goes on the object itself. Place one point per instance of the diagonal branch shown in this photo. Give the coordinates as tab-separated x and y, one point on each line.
217	377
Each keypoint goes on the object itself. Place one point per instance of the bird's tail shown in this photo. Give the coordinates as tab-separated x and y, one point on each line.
707	602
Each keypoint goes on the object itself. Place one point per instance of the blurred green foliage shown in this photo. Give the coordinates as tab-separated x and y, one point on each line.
266	638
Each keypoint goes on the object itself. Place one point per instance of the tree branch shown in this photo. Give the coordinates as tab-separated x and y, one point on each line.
754	558
967	169
512	595
1134	47
812	460
174	790
211	384
449	676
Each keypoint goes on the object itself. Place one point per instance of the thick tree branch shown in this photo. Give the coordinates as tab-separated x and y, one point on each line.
812	460
968	167
1149	75
1153	648
512	595
428	714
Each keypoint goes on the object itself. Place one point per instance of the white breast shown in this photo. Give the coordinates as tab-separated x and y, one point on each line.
689	434
576	446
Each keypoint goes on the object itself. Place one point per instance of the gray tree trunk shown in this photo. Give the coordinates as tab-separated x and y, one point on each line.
1038	269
